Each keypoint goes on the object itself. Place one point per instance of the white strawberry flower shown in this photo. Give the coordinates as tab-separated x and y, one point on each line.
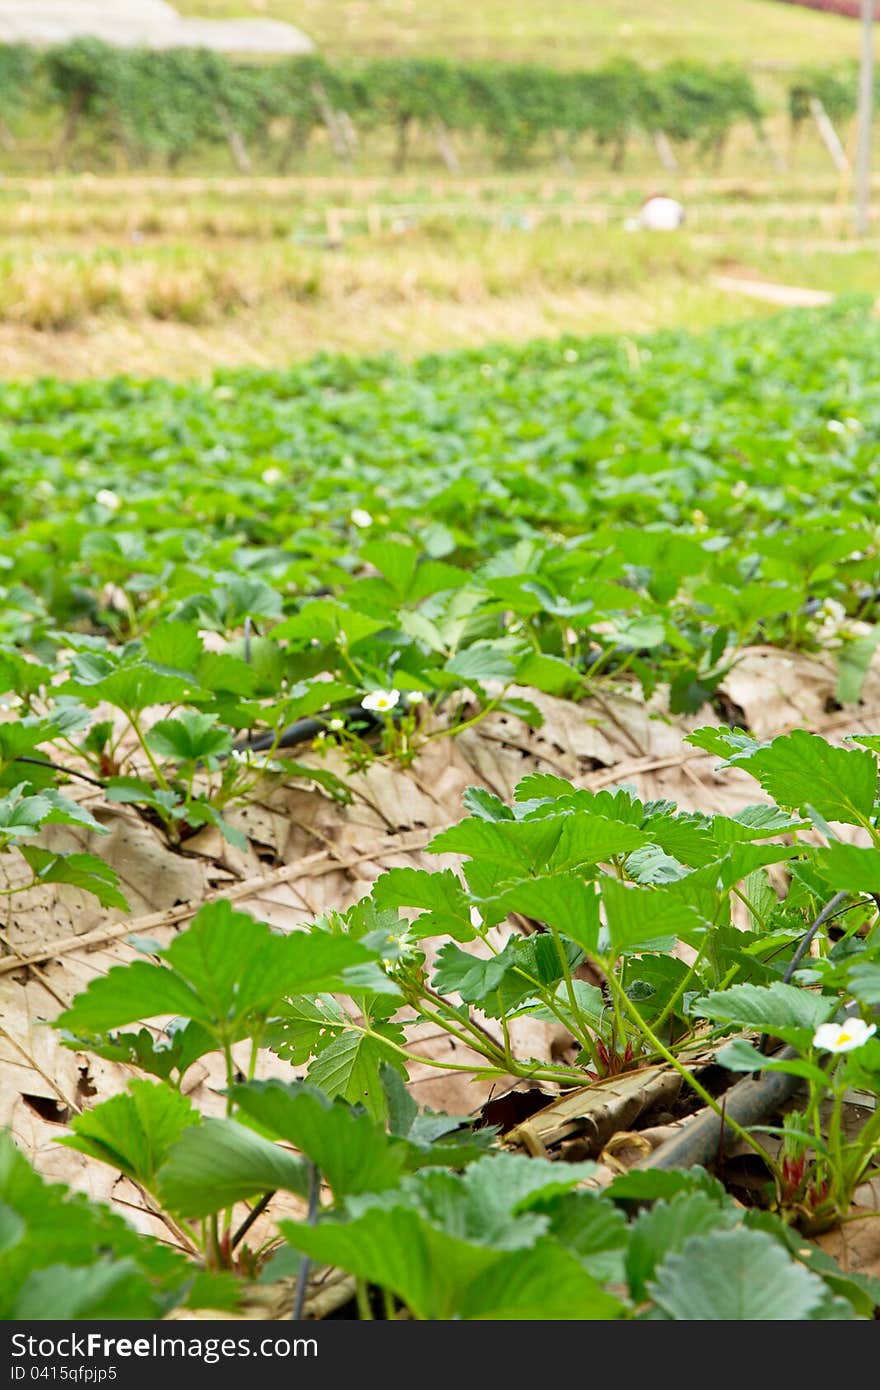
843	1037
105	498
336	725
272	476
361	518
380	701
832	610
414	697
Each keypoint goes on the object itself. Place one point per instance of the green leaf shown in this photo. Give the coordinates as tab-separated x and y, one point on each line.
265	659
849	867
546	1282
127	994
555	842
526	710
735	1276
65	1229
134	1131
563	901
863	981
537	785
861	1290
801	769
224	968
548	673
350	1066
649	1184
174	644
592	839
538	959
441	894
304	1025
351	1152
723	742
645	918
12	1227
225	674
135	791
471	977
440	1277
482	661
24	736
664	1228
21	815
593	1229
218	1163
853	663
647	630
485	805
740	1055
504	1185
84	871
67	812
397	1249
395	561
189	737
182	1043
106	1289
417	626
782	1010
514	845
239	966
651	865
324	619
134	688
754	823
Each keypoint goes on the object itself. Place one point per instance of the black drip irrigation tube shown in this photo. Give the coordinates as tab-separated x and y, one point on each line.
749	1101
708	1134
303	731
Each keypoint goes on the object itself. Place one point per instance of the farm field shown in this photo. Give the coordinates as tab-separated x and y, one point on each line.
381	735
100	271
439	672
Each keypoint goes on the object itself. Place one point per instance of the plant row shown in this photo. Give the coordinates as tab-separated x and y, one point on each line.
428	1213
169	105
374	556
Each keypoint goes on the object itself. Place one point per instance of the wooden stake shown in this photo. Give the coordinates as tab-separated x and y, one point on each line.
830	138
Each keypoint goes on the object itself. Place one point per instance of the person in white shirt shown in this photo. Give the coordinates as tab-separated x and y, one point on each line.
661	214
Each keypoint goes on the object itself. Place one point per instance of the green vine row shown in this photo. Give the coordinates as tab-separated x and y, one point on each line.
145	108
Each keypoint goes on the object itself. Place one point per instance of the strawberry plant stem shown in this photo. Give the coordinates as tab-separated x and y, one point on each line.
362	1295
156	770
688	1076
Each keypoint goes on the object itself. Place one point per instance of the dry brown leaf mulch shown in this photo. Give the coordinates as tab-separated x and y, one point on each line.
307	855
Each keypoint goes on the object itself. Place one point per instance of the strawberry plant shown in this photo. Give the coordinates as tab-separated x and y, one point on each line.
608	882
400	553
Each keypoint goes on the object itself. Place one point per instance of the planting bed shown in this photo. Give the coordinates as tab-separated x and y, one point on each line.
428	794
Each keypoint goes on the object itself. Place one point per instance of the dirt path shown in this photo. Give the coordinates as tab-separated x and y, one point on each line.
787	296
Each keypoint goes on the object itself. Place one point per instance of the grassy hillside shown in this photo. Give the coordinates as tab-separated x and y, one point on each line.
570	32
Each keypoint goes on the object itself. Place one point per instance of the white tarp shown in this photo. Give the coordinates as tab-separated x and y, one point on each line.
150	23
